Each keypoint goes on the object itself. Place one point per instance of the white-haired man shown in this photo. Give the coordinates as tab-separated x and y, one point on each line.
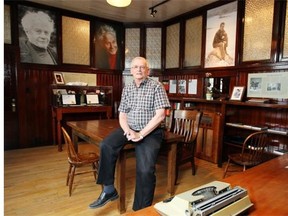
38	27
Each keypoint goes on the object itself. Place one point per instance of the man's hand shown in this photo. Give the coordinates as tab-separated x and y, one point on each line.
133	136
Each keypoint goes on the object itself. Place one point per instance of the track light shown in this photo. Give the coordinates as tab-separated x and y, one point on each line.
153	11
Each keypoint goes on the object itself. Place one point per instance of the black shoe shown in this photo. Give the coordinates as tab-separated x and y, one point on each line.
103	199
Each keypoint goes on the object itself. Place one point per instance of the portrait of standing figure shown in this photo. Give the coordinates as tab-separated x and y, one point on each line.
37	36
107	47
221	36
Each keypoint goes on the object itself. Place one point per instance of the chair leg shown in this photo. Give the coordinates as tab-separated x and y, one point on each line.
71	179
193	166
226	168
94	167
68	174
176	174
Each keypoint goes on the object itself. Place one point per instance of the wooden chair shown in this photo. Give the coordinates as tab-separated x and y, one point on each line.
76	160
186	123
252	151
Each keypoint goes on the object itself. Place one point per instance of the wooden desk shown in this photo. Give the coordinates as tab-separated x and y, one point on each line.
58	112
266	185
95	131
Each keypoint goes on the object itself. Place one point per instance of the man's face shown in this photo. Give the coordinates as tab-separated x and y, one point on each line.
110	44
39	34
222	27
139	70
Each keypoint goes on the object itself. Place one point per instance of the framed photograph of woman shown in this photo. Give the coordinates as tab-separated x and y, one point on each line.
221	36
37	35
108	40
238	92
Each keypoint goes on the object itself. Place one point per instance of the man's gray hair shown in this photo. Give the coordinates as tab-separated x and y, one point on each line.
31	17
103	30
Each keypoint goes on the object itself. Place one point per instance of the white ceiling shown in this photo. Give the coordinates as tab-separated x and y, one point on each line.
137	11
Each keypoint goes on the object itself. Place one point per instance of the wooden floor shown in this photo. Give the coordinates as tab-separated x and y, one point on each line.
34	184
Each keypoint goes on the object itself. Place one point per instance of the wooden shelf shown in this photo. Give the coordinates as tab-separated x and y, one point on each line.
249	114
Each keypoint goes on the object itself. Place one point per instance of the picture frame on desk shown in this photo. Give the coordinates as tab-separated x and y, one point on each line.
237	93
59	78
68	99
92	99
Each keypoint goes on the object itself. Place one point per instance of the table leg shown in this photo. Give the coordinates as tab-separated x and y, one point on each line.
171	170
53	128
121	167
75	139
59	133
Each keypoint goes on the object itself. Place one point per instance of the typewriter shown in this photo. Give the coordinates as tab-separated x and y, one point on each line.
215	198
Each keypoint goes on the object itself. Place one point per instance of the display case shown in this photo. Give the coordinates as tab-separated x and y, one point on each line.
80	95
78	102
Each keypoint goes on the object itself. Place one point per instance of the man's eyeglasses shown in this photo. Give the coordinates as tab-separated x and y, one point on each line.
136	67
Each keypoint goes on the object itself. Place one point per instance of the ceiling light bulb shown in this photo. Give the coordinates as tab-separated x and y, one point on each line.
119	3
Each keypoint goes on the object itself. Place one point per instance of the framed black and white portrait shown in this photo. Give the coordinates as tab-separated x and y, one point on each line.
108	46
37	36
221	36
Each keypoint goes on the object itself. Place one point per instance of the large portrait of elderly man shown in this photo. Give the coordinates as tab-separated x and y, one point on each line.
108	46
37	36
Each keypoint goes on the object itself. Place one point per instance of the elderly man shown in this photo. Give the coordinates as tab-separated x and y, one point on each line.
38	27
141	111
107	56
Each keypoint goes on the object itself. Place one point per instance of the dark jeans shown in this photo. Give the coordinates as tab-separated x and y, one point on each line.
146	152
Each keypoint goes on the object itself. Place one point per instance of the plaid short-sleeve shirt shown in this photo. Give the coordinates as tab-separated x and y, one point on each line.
140	103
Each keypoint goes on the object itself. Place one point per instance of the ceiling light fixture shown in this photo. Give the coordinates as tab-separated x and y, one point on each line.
153	11
119	3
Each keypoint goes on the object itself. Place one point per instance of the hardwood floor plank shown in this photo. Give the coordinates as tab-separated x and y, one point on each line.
35	178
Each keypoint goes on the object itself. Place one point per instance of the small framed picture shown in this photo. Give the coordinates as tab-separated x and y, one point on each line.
238	92
68	99
92	99
59	78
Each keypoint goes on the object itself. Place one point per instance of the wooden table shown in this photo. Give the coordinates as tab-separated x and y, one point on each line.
266	185
58	112
94	131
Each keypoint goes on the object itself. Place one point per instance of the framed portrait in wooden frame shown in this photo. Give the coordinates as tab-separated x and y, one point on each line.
108	45
59	78
237	93
33	23
221	29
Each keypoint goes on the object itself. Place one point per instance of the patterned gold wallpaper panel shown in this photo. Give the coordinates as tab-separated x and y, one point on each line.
193	41
132	43
76	41
153	47
172	46
7	25
285	49
258	30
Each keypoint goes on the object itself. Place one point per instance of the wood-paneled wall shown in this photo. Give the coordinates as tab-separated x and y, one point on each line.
33	95
34	102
